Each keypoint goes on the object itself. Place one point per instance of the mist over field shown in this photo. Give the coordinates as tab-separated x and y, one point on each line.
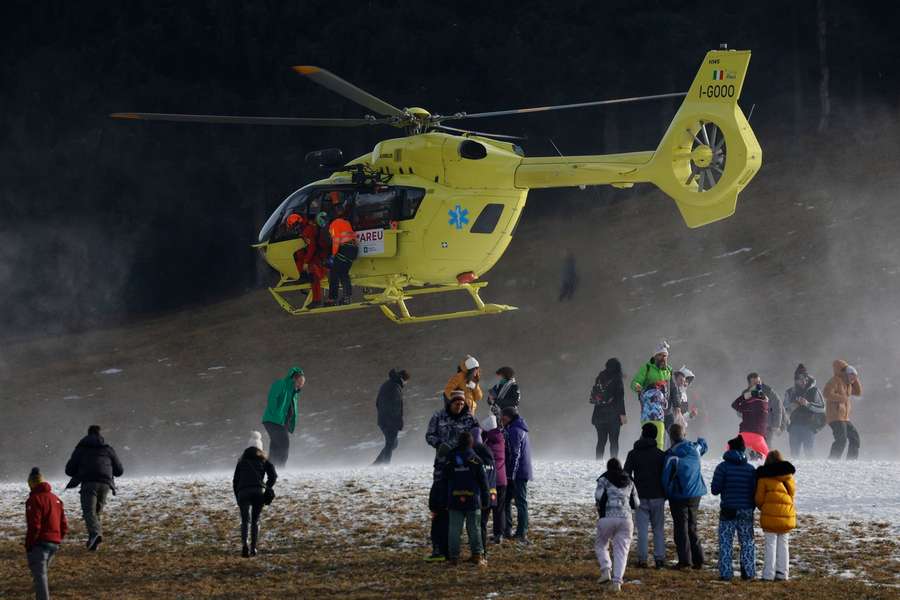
131	297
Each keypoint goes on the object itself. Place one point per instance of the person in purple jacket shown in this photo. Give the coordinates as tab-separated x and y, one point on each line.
518	472
496	443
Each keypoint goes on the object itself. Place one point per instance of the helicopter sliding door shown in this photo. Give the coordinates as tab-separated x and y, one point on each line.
377	215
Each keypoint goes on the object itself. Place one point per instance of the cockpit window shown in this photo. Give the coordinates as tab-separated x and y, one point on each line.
275	230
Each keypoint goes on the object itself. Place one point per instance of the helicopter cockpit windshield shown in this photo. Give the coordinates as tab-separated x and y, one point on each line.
368	208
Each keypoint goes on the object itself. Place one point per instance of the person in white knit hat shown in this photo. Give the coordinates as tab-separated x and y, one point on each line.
467	378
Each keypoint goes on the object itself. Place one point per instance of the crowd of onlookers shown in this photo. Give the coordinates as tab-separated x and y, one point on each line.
481	471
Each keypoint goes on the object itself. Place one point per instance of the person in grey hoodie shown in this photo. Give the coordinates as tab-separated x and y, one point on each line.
616	497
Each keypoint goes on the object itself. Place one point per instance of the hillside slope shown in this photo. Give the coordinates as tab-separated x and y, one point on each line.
806	271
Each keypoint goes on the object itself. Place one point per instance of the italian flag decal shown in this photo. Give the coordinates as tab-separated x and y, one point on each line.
718	74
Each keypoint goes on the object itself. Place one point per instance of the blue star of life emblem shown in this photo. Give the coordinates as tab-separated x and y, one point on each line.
459	216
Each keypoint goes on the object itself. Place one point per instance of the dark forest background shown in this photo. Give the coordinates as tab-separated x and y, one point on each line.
102	221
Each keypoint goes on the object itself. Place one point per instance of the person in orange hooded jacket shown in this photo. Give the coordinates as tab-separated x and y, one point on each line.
467	378
837	393
775	491
47	526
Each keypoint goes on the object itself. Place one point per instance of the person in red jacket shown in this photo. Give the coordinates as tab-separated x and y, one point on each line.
47	526
753	406
309	258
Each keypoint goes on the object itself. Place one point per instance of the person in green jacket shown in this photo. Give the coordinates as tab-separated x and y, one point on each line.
657	369
280	417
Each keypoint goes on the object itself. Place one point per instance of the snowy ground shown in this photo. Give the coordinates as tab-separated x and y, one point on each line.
846	511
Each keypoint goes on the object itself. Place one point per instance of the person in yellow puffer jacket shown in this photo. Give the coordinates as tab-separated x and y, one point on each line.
775	490
837	393
467	378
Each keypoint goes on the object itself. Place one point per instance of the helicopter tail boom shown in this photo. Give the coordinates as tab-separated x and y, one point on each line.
706	157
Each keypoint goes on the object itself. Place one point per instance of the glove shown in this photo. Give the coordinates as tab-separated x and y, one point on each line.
471	385
443	450
268	496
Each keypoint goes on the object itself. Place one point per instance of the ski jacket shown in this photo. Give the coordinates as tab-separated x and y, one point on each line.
837	394
754	414
45	517
253	472
282	405
777	418
813	414
460	381
311	253
490	470
518	450
496	443
616	496
648	375
775	491
735	479
608	394
390	403
506	393
653	405
341	233
644	464
93	461
467	484
682	478
444	428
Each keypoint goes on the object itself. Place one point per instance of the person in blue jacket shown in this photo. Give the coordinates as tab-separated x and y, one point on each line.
684	487
518	471
735	480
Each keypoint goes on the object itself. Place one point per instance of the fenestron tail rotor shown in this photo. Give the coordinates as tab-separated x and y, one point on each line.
707	159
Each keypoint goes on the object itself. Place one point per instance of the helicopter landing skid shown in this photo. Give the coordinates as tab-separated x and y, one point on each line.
396	296
399	298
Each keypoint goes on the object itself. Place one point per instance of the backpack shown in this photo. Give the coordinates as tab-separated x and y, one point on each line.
599	397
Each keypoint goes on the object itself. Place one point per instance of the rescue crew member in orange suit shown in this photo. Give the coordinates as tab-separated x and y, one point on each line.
309	258
344	250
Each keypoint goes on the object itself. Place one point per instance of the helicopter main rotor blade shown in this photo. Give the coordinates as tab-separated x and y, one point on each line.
295	121
348	90
501	136
522	111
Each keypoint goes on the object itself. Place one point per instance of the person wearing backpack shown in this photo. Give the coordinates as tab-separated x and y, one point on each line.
616	497
608	398
684	486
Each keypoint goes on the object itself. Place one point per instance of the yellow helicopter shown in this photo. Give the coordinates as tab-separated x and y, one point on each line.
434	210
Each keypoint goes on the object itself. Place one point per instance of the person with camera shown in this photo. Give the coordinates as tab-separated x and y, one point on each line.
608	398
753	406
253	483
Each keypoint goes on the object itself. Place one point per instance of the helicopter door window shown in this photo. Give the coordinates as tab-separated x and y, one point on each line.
375	209
410	199
488	219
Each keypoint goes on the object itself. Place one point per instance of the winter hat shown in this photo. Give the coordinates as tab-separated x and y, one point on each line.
688	374
490	423
457	394
510	411
663	348
737	444
800	370
648	430
255	440
470	363
851	370
35	478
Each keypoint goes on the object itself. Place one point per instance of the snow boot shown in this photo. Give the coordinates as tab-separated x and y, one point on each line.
478	559
435	557
245	549
604	576
615	587
94	542
254	537
642	564
660	564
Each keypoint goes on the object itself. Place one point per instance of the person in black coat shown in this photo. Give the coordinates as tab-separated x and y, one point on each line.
608	398
94	466
390	412
253	483
644	465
